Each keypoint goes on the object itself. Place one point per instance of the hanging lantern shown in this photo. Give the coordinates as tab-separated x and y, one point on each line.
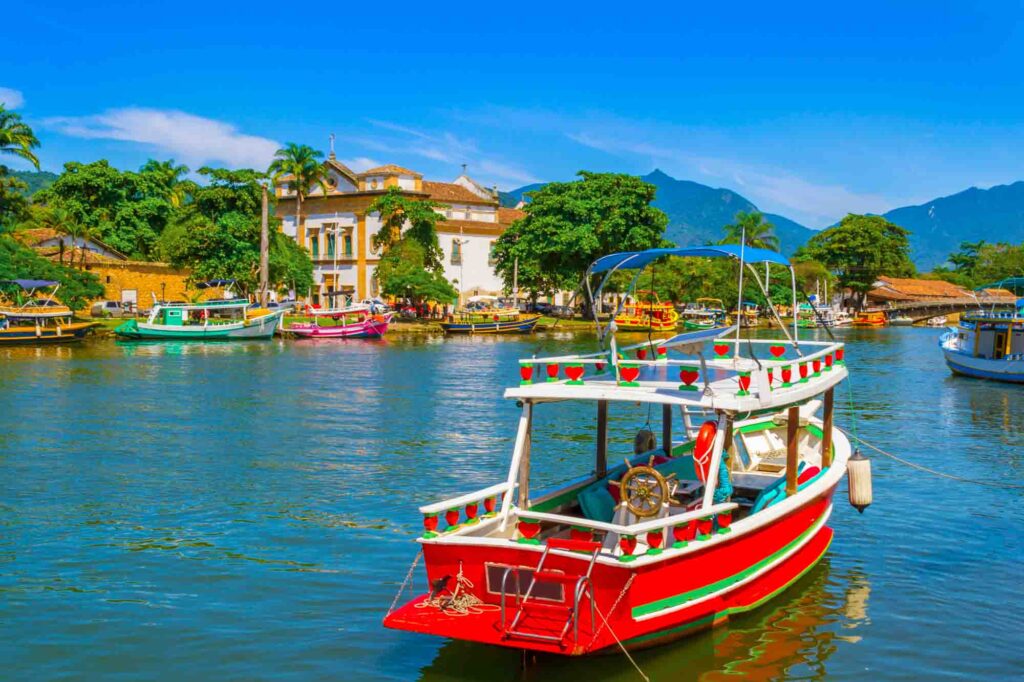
654	540
430	525
724	522
744	381
858	475
689	376
471	510
529	529
575	374
627	543
704	527
525	374
451	517
787	376
552	370
489	504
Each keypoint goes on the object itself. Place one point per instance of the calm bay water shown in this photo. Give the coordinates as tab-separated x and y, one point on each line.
247	511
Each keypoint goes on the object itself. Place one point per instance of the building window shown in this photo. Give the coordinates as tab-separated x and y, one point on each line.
456	252
314	244
108	279
330	245
491	259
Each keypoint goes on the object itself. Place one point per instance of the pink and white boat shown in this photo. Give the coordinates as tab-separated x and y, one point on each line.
352	322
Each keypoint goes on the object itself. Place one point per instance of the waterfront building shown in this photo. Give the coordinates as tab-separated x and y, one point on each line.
124	280
336	228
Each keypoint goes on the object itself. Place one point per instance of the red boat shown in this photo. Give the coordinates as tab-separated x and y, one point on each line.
726	512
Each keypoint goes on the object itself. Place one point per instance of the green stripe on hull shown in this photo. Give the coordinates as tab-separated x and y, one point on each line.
725	614
680	599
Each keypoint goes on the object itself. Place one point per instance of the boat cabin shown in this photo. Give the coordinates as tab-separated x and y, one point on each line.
993	335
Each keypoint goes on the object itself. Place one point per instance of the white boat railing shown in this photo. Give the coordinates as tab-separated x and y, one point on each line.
631	529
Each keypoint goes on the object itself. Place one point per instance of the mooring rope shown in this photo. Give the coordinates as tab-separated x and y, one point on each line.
608	625
920	467
408	577
462	601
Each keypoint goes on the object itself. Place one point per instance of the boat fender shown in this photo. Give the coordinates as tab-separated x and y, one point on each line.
644	441
703	448
858	473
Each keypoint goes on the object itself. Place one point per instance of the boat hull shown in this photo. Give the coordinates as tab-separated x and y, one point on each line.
27	335
520	326
1011	371
368	329
262	327
685	592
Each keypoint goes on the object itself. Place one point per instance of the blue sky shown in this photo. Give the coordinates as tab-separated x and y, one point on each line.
809	110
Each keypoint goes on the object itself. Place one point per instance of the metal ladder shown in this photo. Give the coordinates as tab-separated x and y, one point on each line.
581	587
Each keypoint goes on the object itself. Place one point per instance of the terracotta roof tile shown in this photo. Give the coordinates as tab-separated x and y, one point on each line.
919	288
391	168
507	216
450	192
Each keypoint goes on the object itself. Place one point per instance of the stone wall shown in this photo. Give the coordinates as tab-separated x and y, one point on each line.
145	279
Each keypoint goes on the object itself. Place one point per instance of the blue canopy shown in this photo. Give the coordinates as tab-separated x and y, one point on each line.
215	283
27	284
635	260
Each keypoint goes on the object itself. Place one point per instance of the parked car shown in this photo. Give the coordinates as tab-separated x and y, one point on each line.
107	309
563	311
377	306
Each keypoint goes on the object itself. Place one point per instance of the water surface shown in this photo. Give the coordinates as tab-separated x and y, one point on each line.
246	511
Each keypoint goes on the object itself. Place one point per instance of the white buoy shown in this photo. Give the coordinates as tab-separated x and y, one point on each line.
858	478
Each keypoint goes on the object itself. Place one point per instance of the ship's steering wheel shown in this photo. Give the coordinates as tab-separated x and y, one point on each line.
644	489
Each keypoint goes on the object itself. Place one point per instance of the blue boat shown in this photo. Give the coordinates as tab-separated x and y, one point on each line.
987	345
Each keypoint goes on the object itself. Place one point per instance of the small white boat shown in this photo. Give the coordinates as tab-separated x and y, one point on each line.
939	321
902	320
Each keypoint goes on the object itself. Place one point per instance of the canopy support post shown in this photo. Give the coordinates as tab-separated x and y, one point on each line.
601	467
826	431
716	458
666	429
524	462
792	441
520	452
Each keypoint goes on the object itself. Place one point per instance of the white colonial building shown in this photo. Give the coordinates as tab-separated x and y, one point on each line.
337	228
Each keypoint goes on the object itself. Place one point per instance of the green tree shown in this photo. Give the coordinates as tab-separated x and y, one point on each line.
997	261
404	271
20	262
568	225
163	179
859	250
419	219
17	138
759	232
301	163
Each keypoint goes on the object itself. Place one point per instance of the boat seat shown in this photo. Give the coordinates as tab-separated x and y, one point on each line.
597	504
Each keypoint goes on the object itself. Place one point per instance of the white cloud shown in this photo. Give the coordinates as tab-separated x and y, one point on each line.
11	98
187	137
361	163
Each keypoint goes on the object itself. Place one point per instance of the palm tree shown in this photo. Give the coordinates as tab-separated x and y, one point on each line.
59	220
302	163
167	177
759	232
17	138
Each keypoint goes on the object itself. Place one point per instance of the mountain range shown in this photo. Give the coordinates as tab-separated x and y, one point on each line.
696	213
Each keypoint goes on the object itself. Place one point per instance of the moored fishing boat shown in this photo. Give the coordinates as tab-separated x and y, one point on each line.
870	318
226	319
38	320
704	313
729	510
497	321
645	312
987	345
351	322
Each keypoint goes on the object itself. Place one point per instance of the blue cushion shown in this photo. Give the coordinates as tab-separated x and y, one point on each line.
769	495
597	504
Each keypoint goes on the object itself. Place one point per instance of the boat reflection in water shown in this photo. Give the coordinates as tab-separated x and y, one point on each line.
198	347
786	638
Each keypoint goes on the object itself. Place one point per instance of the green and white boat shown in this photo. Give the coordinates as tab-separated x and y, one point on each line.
218	320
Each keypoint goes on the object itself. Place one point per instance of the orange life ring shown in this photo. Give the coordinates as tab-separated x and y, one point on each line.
702	449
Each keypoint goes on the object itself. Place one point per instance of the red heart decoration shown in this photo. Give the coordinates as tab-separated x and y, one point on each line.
777	351
574	372
688	376
641	353
525	372
553	370
744	382
721	348
600	367
803	370
629	374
